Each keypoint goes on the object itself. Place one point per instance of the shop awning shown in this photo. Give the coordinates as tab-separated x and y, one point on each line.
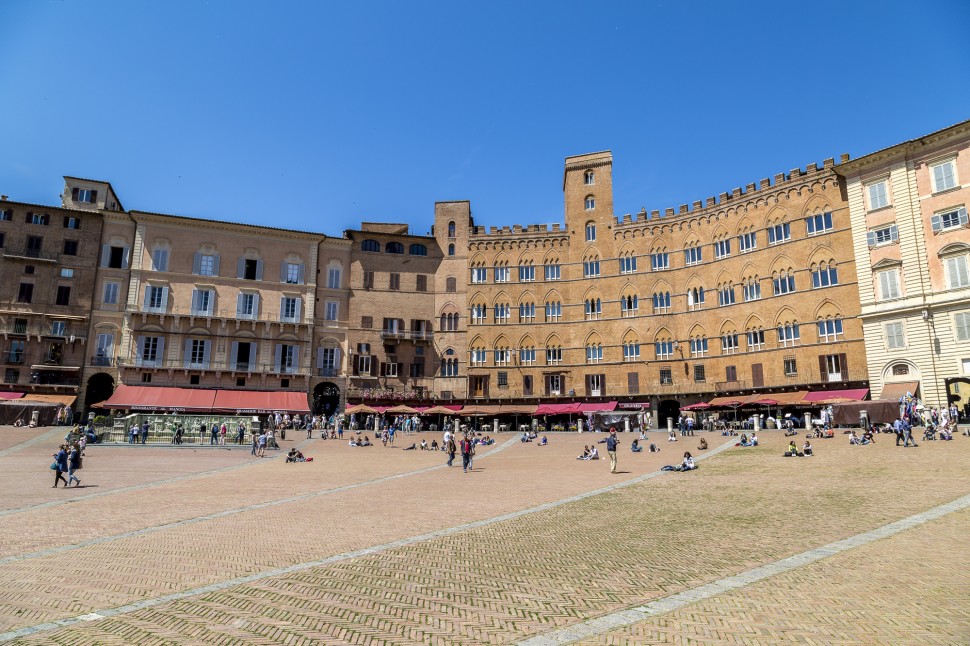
852	394
601	406
519	409
259	402
728	401
557	409
158	398
897	390
4	394
482	409
63	400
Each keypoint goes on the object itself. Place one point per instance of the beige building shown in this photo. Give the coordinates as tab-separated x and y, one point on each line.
908	207
752	292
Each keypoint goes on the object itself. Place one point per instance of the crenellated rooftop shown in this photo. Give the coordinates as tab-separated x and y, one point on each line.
520	229
750	191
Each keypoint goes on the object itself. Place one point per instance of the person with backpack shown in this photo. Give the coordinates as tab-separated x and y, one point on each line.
451	449
60	466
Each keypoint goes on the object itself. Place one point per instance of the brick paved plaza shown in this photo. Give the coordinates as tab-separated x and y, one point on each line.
381	546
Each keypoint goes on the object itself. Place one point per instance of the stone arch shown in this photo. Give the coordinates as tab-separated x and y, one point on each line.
781	263
697	331
553	340
728	326
754	322
823	253
627	248
785	315
552	295
478	260
663	334
501	342
551	257
818	204
749	271
527	297
776	215
631	336
527	341
593	338
720	231
661	286
827	309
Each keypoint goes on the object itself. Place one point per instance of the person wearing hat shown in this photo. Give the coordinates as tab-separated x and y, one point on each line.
611	443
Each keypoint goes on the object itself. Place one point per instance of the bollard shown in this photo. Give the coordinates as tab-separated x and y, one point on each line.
495	426
579	424
670	424
757	423
808	421
626	424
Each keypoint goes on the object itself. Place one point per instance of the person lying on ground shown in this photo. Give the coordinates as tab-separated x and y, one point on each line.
703	445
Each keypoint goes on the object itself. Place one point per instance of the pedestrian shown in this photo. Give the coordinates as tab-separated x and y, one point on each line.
309	430
898	428
262	444
450	448
60	465
144	431
255	444
611	443
132	433
467	448
73	464
214	434
240	433
908	434
223	431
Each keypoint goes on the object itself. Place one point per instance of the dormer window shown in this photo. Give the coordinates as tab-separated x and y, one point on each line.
84	195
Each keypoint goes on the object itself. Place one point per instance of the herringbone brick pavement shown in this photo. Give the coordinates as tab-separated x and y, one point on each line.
912	588
493	584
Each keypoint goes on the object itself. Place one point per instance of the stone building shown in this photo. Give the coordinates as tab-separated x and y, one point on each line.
48	266
911	239
754	291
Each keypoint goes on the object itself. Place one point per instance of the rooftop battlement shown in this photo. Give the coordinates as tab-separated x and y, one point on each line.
520	229
752	190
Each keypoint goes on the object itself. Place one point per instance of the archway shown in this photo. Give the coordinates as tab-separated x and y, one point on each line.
326	399
958	392
100	387
667	408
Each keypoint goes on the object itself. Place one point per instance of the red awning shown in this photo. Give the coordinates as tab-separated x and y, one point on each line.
852	394
557	409
158	398
4	394
602	406
259	402
197	400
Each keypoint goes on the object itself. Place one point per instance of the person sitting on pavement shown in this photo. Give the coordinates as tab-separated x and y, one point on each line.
584	455
594	453
543	441
806	448
365	441
424	444
744	440
703	445
654	448
853	438
295	456
688	463
792	451
434	445
412	447
754	439
672	437
635	446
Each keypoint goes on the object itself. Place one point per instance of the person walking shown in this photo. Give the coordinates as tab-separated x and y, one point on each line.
467	447
73	464
255	444
451	449
611	443
908	434
214	434
898	428
60	465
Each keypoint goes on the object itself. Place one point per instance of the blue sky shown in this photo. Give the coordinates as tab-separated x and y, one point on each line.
318	115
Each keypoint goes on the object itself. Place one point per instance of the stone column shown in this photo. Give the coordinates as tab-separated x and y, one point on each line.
670	424
808	421
757	423
626	424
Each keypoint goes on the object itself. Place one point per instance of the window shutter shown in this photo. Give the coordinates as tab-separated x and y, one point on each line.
233	354
140	350
147	293
105	255
164	298
844	366
94	197
187	353
195	301
383	369
299	275
823	373
255	306
161	351
871	238
356	362
196	263
894	233
30	217
962	214
259	270
884	284
212	302
278	357
240	268
283	271
74	192
206	353
320	358
336	360
239	305
937	223
125	257
215	266
282	307
299	304
757	375
373	368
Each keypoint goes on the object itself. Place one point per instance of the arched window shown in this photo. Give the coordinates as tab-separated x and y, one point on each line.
594	308
590	202
590	232
418	250
451	229
695	298
394	247
370	245
661	302
629	305
450	284
589	178
451	250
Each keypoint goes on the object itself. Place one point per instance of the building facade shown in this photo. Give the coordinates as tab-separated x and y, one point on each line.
48	267
911	240
751	292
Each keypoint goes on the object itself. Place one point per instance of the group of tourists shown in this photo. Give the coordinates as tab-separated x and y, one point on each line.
67	459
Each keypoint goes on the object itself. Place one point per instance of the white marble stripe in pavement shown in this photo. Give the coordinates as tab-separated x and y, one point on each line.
367	551
630	616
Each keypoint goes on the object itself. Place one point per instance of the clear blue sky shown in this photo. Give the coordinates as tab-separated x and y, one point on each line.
318	115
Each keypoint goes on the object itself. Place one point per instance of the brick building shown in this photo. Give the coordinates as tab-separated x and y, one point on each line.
754	291
48	268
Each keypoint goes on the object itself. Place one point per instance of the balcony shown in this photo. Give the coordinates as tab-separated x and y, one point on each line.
102	360
53	379
328	372
13	356
212	366
393	335
418	336
29	253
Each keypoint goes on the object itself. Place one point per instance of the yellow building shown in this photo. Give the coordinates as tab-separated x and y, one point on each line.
908	210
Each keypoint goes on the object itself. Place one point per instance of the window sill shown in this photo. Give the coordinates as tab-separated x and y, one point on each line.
946	190
879	209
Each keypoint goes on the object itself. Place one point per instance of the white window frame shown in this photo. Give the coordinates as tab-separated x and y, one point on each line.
663	349
333	277
957	271
160	259
110	293
755	339
207	263
891	280
747	242
631	351
729	343
552	271
722	248
779	233
553	356
895	334
332	311
878	199
590	203
961	326
289	309
698	347
590	232
789	335
829	330
693	255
